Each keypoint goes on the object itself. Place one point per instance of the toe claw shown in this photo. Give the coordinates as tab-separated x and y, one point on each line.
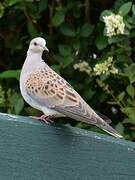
44	118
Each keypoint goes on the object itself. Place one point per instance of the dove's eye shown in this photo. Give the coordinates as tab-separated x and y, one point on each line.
35	43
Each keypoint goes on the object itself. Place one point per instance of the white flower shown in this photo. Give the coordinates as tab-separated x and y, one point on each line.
94	56
83	67
106	67
114	70
114	25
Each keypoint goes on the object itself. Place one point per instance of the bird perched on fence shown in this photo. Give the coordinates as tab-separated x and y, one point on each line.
45	90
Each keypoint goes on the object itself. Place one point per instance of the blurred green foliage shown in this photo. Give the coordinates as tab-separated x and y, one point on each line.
75	32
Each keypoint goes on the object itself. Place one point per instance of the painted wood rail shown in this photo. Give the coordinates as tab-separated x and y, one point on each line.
32	150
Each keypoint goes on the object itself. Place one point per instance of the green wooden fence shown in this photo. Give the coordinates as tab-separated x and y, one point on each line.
32	150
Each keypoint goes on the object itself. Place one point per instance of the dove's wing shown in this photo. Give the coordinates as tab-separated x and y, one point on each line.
50	90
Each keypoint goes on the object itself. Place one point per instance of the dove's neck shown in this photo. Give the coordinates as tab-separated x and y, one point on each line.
30	52
33	61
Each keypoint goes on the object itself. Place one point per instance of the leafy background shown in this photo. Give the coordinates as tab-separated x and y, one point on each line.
74	32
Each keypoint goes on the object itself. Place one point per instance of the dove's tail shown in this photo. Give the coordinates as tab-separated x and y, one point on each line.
106	127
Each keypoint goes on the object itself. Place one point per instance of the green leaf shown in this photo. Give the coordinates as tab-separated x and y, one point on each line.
120	128
64	50
1	10
130	72
121	57
130	119
88	94
70	5
113	39
133	9
130	101
125	8
130	112
77	12
132	78
81	125
64	61
10	2
121	96
31	29
10	74
19	105
67	61
67	30
76	45
105	13
42	5
130	69
56	68
131	90
86	30
59	17
101	42
14	43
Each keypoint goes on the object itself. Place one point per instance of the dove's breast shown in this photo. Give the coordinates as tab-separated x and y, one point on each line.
32	102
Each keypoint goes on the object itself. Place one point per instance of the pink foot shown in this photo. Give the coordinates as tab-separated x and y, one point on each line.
44	118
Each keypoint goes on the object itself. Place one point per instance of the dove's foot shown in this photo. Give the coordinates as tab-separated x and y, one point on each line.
44	118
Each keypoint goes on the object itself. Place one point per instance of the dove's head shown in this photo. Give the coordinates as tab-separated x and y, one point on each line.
38	45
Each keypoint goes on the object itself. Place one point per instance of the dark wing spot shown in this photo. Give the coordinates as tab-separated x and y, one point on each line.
62	80
48	82
45	92
61	97
62	89
62	93
59	82
70	94
72	99
80	105
52	91
68	85
33	92
46	87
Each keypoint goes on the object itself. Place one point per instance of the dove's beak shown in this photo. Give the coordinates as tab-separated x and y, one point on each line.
46	49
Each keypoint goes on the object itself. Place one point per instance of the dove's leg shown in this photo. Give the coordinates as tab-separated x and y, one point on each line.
44	118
